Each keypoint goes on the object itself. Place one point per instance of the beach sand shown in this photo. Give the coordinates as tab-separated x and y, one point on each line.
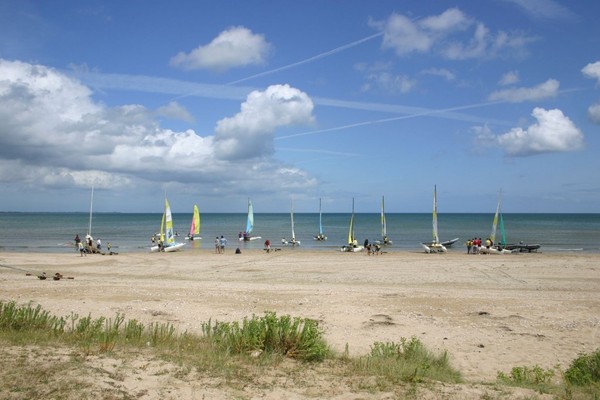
490	312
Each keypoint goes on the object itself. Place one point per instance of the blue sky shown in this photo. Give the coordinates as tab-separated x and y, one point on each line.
215	102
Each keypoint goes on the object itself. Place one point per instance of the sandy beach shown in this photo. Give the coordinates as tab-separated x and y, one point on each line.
491	312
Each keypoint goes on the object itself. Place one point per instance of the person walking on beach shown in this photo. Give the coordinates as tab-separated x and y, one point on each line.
223	242
217	245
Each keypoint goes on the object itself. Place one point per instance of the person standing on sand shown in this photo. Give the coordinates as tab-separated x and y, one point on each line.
217	245
469	245
223	242
81	249
268	245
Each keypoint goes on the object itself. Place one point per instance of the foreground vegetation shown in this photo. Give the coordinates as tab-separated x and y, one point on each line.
46	356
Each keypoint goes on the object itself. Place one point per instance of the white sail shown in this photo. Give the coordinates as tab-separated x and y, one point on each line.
436	238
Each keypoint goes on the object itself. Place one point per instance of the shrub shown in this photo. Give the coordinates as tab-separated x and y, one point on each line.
584	370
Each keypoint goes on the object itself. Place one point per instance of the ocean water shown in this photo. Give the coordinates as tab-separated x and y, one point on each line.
54	232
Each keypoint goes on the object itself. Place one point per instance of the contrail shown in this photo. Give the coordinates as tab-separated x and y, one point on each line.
318	56
380	121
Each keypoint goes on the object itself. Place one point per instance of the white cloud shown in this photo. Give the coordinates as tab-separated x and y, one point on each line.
592	70
249	133
594	113
548	9
444	73
52	133
509	78
175	110
235	47
516	95
452	35
553	132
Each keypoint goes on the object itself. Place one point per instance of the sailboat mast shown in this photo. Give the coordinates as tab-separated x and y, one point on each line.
91	205
436	238
292	218
383	224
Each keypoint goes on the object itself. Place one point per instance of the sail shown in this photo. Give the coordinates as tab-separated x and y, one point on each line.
502	233
436	238
250	222
168	218
351	230
162	228
292	218
383	224
495	223
195	226
91	205
320	221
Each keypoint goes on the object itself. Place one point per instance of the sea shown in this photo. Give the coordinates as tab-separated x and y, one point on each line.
131	232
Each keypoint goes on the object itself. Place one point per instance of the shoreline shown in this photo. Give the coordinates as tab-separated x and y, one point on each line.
490	312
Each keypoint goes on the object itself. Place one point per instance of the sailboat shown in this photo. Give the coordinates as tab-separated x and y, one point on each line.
499	247
167	241
194	226
320	236
293	240
90	245
434	246
502	247
247	235
384	239
352	245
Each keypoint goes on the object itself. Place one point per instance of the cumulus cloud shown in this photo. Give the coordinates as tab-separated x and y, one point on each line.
553	132
594	113
53	133
249	133
235	47
544	90
509	78
175	110
592	70
452	34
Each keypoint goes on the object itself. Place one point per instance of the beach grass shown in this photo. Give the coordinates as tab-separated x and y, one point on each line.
50	357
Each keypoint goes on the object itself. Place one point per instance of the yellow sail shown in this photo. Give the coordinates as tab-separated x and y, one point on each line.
195	226
168	218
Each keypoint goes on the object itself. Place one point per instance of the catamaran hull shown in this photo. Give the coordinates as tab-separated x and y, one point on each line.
523	248
494	250
193	238
449	243
247	239
433	248
168	249
351	249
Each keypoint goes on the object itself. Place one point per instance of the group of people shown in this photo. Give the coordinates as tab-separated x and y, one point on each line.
88	247
220	243
371	248
474	245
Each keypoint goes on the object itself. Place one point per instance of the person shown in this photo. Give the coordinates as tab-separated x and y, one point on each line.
108	246
99	244
268	245
81	249
366	243
77	241
217	245
469	245
223	242
377	249
238	251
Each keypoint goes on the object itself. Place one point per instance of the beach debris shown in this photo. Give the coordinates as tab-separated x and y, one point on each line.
42	276
57	276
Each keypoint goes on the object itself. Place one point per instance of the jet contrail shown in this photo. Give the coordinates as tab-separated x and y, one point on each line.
380	121
318	56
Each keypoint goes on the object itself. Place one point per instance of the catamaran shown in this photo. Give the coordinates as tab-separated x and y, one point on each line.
167	241
352	245
502	246
434	246
320	236
247	234
293	240
194	226
384	239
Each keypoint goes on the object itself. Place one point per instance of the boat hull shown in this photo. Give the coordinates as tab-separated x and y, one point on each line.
351	249
434	248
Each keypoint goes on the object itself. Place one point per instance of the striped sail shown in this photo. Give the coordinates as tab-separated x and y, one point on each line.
495	223
195	226
250	222
170	237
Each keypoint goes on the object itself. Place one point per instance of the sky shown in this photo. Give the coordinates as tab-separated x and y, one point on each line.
215	102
